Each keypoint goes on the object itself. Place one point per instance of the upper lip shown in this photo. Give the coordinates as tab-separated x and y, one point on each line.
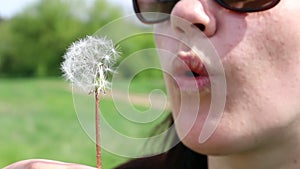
189	64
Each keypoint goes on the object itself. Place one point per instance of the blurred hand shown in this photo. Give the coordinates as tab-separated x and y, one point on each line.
45	164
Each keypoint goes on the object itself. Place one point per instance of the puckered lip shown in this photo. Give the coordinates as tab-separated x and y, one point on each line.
189	72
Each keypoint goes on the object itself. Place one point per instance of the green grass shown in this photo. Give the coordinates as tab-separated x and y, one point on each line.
38	120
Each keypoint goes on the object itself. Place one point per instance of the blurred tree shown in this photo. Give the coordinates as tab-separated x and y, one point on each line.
33	41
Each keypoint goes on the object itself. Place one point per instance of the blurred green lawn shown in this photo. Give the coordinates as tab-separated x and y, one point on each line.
38	120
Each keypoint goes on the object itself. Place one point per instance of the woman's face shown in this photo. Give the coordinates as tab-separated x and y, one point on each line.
260	53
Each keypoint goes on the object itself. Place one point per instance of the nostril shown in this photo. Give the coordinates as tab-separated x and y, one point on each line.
200	26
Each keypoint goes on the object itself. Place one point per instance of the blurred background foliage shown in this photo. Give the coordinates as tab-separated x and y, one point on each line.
36	108
33	42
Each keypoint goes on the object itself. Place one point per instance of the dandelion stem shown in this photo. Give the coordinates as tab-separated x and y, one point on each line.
97	122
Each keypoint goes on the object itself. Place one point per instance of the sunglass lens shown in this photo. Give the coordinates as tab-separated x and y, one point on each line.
152	11
248	5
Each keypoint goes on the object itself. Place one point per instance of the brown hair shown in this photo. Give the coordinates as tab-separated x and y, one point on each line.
179	157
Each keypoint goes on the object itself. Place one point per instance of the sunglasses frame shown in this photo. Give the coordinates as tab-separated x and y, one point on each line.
220	2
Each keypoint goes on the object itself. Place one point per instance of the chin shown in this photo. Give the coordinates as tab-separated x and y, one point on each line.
213	146
228	139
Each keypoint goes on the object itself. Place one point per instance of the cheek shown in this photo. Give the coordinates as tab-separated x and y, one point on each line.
282	46
263	74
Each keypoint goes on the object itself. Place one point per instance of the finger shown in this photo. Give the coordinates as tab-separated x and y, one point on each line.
45	164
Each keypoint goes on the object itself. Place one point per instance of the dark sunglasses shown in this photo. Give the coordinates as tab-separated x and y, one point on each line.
155	11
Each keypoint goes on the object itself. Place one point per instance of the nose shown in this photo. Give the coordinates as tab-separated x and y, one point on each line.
196	13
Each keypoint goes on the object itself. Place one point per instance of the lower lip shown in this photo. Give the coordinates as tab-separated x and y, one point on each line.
189	84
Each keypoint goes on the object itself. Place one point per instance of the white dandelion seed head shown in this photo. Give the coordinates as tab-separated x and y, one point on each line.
88	62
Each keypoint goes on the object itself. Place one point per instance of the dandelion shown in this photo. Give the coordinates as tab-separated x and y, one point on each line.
87	64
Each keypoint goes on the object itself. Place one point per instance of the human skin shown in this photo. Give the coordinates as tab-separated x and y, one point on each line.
260	53
45	164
